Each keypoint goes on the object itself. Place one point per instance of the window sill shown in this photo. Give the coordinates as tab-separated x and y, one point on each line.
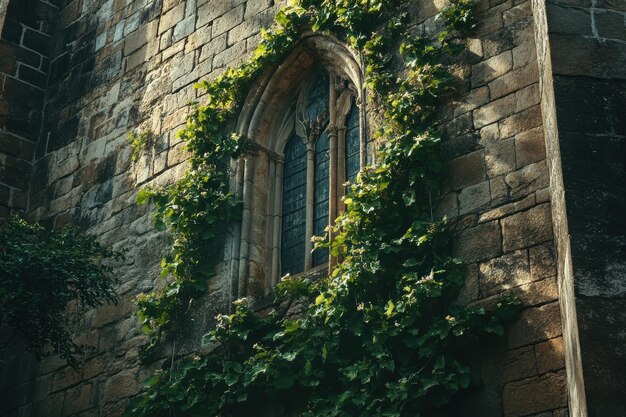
262	304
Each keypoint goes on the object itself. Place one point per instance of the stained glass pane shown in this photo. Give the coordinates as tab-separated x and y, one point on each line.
294	207
321	195
353	144
318	97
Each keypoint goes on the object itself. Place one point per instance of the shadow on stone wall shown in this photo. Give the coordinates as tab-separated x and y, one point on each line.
122	66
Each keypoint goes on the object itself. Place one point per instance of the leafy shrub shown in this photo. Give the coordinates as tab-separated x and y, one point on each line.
47	279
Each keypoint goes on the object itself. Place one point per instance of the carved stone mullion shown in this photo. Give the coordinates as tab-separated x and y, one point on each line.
278	213
269	222
341	167
335	108
236	246
246	223
310	199
332	178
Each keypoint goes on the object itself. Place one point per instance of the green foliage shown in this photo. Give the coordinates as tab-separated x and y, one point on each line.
40	273
140	143
198	209
382	335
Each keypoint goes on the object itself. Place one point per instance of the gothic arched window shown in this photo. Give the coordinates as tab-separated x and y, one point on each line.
320	155
304	126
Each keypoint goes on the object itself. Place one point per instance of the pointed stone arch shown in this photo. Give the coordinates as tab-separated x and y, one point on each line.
267	120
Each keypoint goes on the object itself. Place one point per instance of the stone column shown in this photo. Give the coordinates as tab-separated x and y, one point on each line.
332	178
236	245
332	163
278	213
246	223
341	167
310	200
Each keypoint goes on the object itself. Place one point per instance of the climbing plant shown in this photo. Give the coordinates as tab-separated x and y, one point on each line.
381	335
47	280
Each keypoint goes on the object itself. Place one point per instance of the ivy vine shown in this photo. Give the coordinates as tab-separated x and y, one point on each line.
381	335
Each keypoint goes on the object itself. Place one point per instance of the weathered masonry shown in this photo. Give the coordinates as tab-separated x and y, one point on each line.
535	180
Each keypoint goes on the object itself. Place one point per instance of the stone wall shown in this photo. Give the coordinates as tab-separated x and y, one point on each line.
24	50
129	65
498	193
587	79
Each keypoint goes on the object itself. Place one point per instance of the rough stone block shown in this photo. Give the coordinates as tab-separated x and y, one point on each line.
517	13
610	24
244	30
140	37
171	18
16	146
226	57
550	355
32	76
568	20
50	406
77	399
211	10
537	293
506	209
116	409
524	54
494	111
529	147
478	243
527	97
491	68
528	179
500	157
257	6
542	261
520	122
124	384
474	197
504	272
215	46
65	378
476	98
458	125
111	312
535	325
527	228
470	291
184	28
465	170
19	92
535	395
514	81
489	22
229	20
519	363
612	5
588	56
201	36
489	134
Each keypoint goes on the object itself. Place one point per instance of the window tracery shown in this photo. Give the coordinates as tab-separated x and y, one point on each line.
332	157
306	125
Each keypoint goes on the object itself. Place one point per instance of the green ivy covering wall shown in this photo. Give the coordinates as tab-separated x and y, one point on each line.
382	335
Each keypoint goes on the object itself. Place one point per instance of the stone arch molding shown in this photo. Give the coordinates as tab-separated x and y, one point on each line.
267	120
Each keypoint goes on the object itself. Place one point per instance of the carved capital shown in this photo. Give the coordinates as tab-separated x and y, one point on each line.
332	130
